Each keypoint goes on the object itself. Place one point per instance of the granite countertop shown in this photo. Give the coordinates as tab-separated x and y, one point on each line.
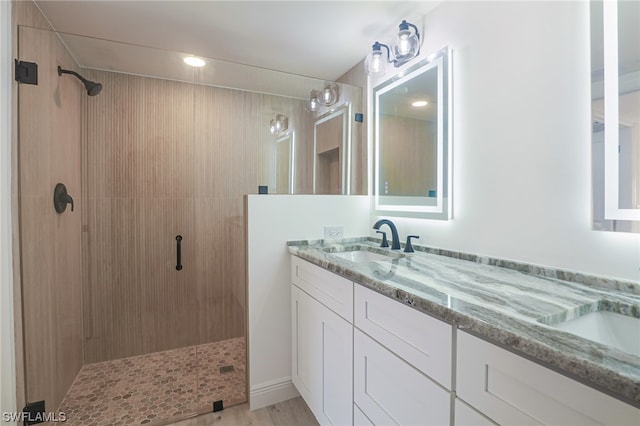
506	303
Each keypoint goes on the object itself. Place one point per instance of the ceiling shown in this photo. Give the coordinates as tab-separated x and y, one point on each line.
320	39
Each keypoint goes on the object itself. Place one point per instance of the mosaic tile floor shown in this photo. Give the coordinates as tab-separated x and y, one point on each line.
151	389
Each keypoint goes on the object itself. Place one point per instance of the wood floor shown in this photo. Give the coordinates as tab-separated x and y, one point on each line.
293	412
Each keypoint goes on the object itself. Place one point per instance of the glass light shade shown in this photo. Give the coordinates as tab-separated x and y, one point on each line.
272	127
282	123
406	47
328	96
376	63
313	101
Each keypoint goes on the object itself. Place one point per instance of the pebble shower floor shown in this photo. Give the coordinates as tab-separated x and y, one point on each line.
156	388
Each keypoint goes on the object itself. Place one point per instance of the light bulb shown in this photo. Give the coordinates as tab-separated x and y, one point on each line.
272	127
403	42
419	104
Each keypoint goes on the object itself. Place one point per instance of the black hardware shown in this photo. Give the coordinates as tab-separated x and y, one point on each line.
408	248
92	87
385	243
61	198
359	117
179	252
217	406
34	413
263	189
395	240
26	72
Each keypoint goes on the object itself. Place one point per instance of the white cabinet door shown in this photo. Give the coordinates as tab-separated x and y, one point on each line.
322	368
467	416
512	390
306	346
391	391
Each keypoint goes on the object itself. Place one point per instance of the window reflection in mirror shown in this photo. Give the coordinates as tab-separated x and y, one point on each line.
411	141
615	108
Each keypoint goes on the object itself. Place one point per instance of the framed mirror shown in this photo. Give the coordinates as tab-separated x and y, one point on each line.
412	146
615	113
332	151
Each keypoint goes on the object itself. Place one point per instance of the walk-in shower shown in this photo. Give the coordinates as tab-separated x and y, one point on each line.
123	322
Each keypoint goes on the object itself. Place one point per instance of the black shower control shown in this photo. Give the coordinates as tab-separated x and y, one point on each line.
61	198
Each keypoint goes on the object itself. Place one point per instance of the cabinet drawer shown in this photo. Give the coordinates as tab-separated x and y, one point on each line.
512	390
331	290
390	391
421	340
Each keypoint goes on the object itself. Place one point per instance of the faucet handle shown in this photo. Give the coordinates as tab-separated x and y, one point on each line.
408	248
385	243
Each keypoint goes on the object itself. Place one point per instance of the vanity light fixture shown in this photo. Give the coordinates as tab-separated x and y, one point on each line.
328	96
194	61
407	47
419	104
279	125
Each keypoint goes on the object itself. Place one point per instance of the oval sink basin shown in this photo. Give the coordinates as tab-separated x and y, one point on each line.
363	256
608	328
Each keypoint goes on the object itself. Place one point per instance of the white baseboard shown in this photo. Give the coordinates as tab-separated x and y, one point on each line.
272	392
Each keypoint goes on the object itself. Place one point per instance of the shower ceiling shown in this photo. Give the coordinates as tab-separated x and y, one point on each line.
321	39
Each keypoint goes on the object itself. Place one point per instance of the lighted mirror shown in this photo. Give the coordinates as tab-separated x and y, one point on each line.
332	150
615	110
412	141
284	160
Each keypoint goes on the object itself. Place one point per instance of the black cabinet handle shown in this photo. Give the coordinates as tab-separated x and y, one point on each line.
179	252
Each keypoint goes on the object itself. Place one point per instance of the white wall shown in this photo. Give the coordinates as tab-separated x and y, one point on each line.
272	221
521	139
8	399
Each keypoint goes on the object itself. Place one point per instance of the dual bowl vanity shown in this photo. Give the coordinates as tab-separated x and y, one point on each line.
382	336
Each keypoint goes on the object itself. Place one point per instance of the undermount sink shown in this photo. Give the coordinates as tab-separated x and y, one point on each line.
609	328
366	254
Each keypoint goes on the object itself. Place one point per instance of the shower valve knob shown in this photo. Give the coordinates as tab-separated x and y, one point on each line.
61	198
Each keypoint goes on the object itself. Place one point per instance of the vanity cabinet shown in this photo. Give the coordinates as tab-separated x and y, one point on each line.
322	341
510	389
404	375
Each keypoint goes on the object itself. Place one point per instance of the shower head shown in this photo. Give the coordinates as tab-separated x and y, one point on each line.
92	87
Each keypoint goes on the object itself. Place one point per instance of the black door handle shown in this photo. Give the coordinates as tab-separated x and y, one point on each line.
179	252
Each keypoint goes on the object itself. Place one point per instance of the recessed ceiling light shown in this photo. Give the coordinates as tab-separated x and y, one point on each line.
419	104
193	61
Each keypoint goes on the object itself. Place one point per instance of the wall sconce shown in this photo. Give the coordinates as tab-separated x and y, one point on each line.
328	96
407	47
279	125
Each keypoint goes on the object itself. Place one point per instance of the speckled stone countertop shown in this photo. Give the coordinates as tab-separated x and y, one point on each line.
504	302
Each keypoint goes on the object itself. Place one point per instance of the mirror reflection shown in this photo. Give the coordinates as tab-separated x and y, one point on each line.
331	143
411	140
255	97
615	108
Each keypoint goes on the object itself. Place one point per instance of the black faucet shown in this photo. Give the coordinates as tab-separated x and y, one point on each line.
395	240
